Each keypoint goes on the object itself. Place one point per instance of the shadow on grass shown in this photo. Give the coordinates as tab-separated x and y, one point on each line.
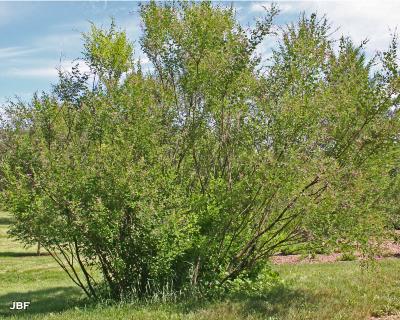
6	221
42	301
277	302
11	254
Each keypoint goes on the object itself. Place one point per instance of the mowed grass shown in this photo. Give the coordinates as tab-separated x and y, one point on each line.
24	276
340	290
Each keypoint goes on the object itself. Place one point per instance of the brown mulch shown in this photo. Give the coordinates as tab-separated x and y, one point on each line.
297	258
389	249
392	317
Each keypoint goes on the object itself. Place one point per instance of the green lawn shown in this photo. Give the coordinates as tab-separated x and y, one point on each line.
340	290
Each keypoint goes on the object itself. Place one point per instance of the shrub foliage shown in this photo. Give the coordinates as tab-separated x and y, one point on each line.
193	173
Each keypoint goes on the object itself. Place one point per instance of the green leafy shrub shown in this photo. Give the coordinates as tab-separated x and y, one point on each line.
188	177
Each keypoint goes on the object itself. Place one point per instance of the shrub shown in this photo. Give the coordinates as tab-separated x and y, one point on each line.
190	176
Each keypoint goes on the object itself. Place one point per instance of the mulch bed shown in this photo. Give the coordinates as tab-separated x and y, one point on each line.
389	249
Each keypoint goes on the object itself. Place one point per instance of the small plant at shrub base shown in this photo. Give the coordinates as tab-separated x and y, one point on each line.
258	284
348	256
188	177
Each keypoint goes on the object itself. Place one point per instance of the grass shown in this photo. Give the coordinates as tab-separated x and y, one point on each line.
27	277
340	290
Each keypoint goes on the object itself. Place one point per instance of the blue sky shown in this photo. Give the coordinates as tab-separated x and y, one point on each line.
36	37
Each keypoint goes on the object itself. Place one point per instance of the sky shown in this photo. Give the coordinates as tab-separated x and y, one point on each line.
36	37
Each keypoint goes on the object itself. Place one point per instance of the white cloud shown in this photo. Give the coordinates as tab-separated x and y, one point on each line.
364	20
34	72
48	71
68	64
360	20
12	52
373	20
